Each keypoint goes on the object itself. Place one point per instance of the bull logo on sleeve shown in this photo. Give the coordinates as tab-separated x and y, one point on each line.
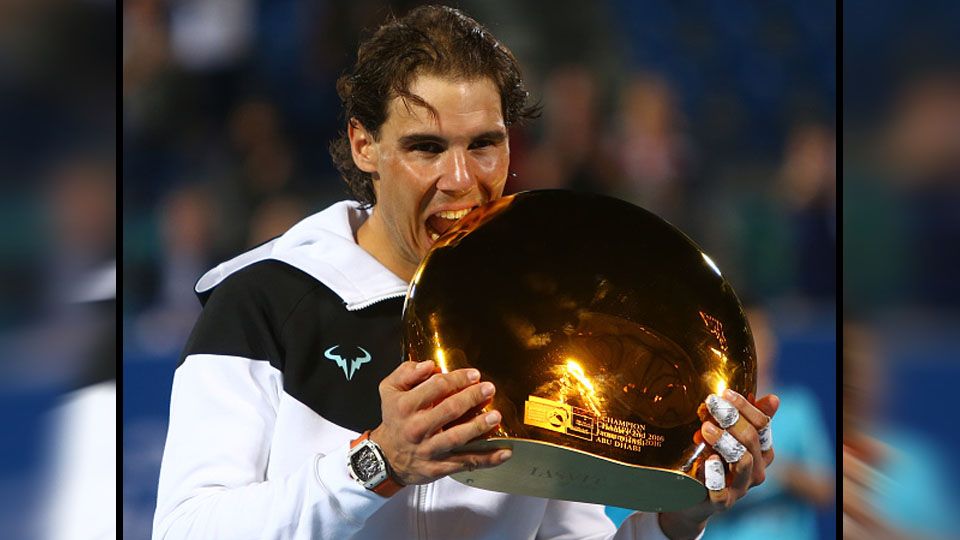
348	362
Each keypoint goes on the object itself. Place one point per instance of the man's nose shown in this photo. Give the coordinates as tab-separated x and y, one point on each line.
456	177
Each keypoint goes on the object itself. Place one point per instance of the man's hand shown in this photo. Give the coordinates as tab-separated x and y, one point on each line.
741	475
417	403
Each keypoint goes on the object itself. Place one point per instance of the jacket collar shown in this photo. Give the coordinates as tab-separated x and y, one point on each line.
324	246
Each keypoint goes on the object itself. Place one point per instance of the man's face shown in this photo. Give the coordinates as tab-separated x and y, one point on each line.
430	170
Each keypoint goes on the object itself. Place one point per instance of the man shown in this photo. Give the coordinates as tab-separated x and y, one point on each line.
280	379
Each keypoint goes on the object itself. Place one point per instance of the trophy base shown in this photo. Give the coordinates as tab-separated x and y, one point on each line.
541	469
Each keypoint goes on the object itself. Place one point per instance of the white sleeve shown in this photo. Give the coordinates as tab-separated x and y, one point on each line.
564	520
213	473
644	525
83	481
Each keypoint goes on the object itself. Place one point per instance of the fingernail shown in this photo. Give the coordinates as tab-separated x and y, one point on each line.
424	364
486	389
473	375
730	395
724	411
713	475
492	418
505	455
766	438
728	447
711	430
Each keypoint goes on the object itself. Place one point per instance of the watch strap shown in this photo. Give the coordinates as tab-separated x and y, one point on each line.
388	486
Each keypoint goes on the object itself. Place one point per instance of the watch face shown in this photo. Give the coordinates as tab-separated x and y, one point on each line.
365	464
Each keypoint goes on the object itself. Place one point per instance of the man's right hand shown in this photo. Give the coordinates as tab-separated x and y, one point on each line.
416	404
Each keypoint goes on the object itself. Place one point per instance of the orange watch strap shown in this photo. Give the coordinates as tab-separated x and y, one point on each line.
388	486
363	436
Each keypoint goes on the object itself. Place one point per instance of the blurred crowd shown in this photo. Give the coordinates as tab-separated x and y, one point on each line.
901	299
905	167
58	148
58	247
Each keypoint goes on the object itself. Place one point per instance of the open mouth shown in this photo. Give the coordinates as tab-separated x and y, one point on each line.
439	223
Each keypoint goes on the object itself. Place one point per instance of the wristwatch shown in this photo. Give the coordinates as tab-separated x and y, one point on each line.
368	466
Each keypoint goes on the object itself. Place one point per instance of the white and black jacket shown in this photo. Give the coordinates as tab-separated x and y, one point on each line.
279	374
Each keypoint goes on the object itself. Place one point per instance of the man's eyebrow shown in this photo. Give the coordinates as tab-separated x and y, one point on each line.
415	138
494	135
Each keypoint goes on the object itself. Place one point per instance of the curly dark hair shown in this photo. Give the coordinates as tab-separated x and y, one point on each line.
434	40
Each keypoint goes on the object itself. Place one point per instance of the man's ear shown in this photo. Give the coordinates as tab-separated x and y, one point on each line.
362	146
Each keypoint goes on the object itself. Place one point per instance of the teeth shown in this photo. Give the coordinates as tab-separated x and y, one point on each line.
453	214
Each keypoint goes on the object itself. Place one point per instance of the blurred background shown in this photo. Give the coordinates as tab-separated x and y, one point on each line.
58	243
901	249
717	115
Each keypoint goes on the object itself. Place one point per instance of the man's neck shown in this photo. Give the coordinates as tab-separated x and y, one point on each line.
374	241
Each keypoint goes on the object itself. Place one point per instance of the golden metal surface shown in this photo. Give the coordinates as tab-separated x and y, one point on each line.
603	328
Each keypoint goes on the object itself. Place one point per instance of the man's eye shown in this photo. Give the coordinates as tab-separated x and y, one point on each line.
481	144
428	147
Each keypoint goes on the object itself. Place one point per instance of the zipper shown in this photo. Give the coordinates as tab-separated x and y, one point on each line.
421	514
367	303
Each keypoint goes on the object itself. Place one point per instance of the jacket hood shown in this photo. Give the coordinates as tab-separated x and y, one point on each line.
322	245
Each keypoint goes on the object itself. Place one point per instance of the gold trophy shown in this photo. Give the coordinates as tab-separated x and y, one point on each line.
603	327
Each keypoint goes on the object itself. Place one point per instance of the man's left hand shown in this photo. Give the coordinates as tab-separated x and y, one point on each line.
740	476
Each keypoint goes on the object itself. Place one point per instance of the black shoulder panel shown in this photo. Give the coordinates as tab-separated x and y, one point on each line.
244	314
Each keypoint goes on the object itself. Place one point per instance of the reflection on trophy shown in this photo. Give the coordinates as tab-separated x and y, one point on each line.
603	328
